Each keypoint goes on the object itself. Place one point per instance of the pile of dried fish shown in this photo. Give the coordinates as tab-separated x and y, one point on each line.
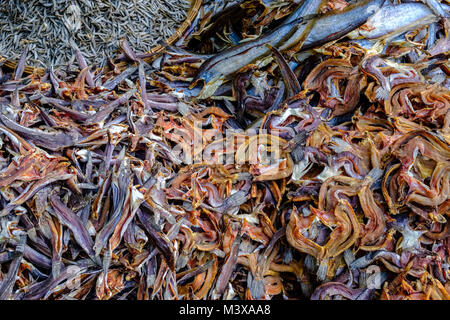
50	28
280	150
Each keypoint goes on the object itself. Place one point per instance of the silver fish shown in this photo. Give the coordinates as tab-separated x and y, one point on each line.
392	20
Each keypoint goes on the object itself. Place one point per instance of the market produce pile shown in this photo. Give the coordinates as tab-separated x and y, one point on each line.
280	150
49	29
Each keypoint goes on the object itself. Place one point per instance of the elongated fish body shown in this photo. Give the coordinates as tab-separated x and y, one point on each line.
334	25
323	29
235	58
395	19
438	8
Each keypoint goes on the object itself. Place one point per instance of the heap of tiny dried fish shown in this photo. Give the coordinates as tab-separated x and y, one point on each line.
50	29
116	185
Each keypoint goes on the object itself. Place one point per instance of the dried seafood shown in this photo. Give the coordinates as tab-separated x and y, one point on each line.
50	29
279	150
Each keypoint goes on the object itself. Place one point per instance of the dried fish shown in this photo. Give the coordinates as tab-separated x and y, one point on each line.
92	30
313	163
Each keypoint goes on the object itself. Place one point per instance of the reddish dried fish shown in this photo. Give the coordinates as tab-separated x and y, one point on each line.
319	172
